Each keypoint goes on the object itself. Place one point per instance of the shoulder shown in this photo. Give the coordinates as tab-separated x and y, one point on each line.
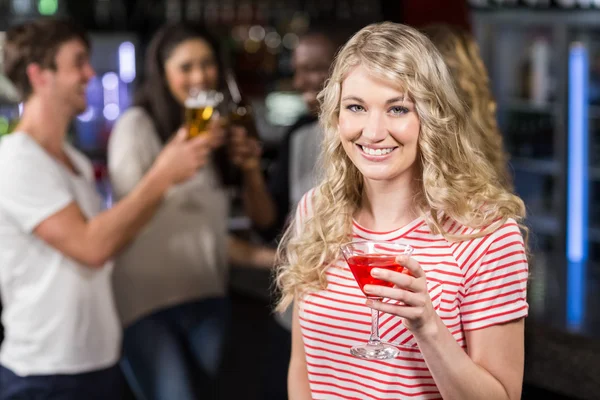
305	207
301	124
23	162
507	236
457	229
133	128
135	114
135	119
17	144
18	151
308	127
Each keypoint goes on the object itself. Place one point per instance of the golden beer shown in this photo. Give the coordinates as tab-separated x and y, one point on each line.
199	109
197	119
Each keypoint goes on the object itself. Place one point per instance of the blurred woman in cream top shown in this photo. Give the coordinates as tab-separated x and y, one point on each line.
182	253
170	283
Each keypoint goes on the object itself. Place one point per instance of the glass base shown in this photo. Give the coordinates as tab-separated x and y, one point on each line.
375	351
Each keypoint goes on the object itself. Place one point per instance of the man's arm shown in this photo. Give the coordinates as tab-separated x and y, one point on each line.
92	242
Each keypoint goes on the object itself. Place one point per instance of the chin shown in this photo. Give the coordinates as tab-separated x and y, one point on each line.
382	173
375	173
378	177
80	108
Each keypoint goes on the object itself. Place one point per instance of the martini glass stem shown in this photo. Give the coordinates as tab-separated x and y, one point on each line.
374	339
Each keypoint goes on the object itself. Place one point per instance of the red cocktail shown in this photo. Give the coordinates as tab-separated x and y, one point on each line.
361	267
362	257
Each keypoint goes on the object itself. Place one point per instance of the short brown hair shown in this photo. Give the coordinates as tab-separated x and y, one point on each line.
36	42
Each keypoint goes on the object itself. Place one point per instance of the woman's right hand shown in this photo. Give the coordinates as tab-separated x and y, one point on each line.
217	132
181	158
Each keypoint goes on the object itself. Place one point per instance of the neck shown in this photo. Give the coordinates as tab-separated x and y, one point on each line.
388	206
46	123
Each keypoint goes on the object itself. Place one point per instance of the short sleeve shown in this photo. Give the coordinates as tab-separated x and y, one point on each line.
495	287
129	151
304	210
32	186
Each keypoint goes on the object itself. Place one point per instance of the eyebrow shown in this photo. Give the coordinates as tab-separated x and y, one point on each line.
82	55
402	98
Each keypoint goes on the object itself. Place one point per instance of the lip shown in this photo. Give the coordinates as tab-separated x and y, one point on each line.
375	147
373	157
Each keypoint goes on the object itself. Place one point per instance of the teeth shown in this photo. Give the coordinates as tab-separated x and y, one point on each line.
377	152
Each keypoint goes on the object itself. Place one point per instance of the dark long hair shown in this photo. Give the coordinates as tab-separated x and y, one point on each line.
154	94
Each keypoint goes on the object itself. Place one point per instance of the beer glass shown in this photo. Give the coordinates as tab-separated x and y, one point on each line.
200	106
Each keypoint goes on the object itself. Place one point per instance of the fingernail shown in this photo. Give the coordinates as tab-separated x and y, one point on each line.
375	272
367	288
369	303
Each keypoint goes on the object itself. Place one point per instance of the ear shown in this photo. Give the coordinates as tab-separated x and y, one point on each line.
36	75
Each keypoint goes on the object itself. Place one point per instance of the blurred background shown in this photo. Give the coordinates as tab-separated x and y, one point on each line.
543	57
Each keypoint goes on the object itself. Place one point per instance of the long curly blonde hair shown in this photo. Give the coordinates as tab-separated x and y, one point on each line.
456	181
461	53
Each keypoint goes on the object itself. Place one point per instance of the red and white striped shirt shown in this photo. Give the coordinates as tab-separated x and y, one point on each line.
473	284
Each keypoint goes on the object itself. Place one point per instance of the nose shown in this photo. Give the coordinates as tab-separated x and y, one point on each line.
375	130
90	72
198	78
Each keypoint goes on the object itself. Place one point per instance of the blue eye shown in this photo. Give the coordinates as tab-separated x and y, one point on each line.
355	108
398	110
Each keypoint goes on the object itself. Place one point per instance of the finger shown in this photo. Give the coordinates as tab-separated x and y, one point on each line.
181	135
238	131
238	141
239	138
257	148
411	265
217	132
203	151
408	312
240	151
201	159
217	141
407	297
401	280
223	121
215	124
200	142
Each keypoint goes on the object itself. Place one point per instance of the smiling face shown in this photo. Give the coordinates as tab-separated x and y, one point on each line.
378	127
311	61
191	64
67	83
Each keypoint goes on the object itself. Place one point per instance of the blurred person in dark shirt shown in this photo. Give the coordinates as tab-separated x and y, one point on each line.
295	173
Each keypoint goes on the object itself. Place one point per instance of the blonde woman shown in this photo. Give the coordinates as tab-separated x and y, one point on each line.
399	166
461	54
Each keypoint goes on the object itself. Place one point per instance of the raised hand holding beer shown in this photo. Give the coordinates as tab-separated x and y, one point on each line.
182	157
